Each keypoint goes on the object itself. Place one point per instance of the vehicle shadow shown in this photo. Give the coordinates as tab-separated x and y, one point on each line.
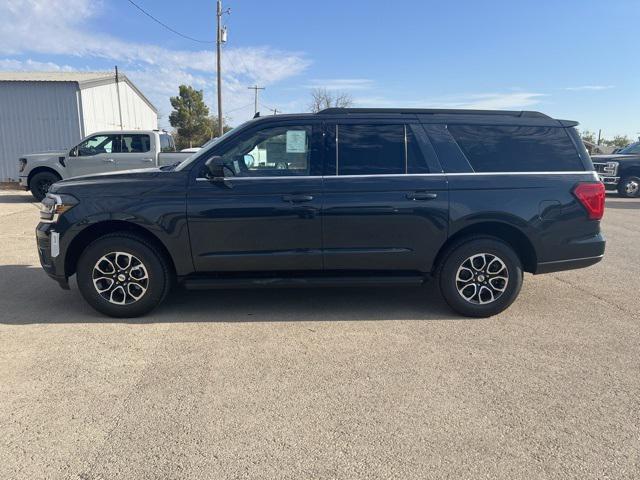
30	297
620	203
16	198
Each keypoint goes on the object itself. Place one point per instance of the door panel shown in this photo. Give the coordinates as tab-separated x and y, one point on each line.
384	223
387	213
136	152
256	224
94	155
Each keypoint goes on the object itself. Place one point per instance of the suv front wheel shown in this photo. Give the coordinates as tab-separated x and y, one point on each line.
480	276
122	276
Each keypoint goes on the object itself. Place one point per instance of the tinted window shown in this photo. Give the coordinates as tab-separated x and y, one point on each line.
371	149
135	143
517	149
416	162
276	151
629	149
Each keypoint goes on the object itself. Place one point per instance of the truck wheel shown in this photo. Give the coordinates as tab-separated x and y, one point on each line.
40	183
629	187
123	276
480	276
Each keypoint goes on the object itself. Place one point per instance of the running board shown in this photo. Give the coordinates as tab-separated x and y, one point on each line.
285	282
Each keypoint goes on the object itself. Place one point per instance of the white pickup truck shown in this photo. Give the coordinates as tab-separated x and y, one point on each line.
100	152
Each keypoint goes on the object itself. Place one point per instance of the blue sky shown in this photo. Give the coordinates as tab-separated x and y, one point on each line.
571	59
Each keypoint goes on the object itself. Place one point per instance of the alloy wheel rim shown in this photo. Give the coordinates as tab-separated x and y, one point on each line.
120	278
632	187
482	278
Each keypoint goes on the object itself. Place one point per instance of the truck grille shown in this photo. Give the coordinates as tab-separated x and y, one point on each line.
606	168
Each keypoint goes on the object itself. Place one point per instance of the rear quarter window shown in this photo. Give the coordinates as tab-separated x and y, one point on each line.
517	148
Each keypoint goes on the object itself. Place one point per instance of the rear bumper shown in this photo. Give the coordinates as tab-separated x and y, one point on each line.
586	252
570	264
48	252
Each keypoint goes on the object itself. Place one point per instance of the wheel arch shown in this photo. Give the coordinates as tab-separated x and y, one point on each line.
42	169
508	233
99	229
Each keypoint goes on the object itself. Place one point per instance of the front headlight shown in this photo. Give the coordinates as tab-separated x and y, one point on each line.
54	205
22	163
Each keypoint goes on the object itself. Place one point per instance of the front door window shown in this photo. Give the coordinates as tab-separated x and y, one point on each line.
276	151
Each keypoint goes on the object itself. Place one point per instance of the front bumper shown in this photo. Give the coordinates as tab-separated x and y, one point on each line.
49	253
609	180
24	182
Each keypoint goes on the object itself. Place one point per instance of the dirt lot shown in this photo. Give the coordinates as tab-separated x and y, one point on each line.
310	384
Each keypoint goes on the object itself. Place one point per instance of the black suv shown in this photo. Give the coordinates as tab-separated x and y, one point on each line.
342	197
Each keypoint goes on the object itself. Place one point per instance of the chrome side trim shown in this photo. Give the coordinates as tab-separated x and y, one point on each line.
457	174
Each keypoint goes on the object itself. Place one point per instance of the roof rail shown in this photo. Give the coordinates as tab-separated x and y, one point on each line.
433	111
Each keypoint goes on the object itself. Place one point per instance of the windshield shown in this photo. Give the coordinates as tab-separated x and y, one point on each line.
633	148
205	148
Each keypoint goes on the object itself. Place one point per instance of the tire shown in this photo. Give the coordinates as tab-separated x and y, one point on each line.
40	183
476	289
629	187
128	292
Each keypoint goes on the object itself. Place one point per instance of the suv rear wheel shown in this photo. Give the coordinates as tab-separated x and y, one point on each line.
40	183
122	276
629	187
480	276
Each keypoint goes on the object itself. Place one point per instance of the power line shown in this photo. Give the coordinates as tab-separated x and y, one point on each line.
167	26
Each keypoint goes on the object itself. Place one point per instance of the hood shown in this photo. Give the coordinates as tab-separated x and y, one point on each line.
124	183
614	156
44	155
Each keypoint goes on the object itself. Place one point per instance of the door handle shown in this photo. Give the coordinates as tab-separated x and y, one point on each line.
147	159
422	196
297	198
109	160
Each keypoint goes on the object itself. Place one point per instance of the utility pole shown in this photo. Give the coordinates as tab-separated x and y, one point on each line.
221	37
599	134
255	88
118	95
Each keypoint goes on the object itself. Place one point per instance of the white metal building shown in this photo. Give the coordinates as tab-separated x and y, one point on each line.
42	111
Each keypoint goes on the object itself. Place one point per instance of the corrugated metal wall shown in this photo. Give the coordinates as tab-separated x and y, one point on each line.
35	117
100	109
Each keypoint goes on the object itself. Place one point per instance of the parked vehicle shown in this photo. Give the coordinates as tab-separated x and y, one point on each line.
470	199
101	152
621	171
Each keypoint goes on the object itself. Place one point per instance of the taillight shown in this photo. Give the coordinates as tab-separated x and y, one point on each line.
591	196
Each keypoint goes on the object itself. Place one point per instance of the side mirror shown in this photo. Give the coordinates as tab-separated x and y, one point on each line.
73	152
215	170
249	160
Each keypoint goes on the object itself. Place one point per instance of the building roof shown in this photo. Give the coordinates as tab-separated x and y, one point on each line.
79	77
83	79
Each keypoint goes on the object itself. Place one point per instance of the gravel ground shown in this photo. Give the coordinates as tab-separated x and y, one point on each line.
315	384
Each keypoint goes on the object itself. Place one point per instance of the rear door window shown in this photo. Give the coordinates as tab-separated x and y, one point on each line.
516	148
135	143
377	150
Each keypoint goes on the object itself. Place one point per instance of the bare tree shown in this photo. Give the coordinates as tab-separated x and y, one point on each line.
322	98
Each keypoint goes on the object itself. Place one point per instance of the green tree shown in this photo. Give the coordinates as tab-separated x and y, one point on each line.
618	141
588	136
190	116
211	131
